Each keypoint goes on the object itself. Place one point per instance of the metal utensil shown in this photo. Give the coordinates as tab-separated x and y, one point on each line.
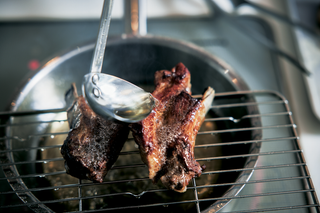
108	95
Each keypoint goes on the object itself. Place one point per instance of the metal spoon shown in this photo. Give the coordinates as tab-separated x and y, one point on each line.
110	96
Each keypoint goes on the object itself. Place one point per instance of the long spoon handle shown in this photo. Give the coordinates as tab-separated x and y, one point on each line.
98	54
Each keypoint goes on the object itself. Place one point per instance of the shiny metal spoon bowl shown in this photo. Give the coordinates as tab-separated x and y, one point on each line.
110	96
107	95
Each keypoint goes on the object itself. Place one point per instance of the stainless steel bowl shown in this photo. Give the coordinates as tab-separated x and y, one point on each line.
135	59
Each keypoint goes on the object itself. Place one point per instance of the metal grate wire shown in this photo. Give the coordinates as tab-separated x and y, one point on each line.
280	181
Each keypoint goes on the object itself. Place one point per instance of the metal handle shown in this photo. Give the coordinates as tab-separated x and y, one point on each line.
101	42
135	17
255	36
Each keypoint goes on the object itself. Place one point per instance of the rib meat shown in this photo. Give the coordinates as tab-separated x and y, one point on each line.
166	138
93	143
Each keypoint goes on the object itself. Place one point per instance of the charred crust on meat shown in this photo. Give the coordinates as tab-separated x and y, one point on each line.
166	138
180	71
93	144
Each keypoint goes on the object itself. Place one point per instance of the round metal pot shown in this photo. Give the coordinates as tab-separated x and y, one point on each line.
134	58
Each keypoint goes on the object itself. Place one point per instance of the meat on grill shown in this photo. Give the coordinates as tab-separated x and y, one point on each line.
166	138
93	143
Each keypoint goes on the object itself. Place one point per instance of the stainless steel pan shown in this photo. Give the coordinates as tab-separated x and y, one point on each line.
133	57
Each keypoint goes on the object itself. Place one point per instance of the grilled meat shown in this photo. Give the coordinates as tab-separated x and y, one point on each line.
166	138
93	143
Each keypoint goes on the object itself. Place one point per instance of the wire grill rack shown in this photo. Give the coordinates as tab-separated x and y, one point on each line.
278	180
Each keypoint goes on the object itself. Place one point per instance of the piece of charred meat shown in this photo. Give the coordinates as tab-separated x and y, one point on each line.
166	138
93	143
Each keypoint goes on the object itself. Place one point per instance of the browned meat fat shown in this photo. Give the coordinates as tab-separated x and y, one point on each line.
166	138
93	143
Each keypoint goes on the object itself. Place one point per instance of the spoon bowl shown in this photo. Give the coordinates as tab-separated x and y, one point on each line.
110	96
